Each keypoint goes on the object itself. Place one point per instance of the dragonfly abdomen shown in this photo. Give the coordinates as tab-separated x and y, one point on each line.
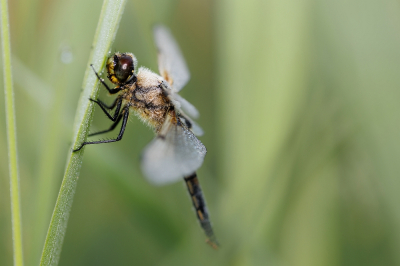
196	194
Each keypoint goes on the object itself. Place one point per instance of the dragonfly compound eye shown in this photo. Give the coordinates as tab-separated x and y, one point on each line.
121	67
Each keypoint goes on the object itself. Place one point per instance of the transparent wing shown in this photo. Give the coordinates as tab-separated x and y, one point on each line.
186	106
180	102
173	154
171	64
190	124
196	129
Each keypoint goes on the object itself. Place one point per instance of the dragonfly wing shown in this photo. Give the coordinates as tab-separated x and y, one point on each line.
190	124
196	129
171	64
186	106
180	102
182	105
173	154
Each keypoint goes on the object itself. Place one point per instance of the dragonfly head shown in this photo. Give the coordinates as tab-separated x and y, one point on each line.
121	68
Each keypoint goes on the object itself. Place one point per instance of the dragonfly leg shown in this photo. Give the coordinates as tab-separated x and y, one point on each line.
125	115
113	126
103	106
111	91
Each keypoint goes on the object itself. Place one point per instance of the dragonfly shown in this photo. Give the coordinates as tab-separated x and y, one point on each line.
175	152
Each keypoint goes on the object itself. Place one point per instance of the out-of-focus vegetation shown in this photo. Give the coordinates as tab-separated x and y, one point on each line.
11	135
300	104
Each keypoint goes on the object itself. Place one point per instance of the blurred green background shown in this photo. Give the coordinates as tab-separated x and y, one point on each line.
300	104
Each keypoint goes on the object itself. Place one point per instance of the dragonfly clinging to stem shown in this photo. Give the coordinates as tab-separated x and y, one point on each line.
175	152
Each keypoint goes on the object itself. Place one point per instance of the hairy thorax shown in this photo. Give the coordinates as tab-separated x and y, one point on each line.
147	98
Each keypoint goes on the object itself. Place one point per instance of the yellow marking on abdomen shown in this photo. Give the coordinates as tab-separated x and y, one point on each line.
190	187
200	214
212	244
196	204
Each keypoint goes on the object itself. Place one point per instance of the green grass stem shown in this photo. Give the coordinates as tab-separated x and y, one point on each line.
105	33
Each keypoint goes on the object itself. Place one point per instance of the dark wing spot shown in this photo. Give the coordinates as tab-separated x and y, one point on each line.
186	122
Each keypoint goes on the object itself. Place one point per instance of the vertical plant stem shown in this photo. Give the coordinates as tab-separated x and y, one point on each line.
105	33
11	136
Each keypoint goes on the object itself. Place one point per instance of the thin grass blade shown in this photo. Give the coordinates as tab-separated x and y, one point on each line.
105	33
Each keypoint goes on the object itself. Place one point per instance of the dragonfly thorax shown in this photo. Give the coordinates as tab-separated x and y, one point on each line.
148	98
